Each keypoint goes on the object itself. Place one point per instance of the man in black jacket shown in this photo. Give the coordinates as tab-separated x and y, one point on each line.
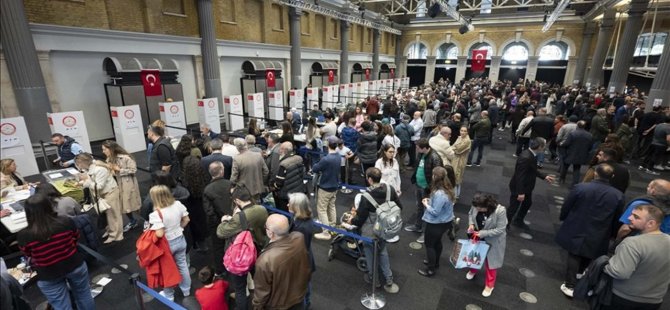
365	217
217	202
577	148
541	126
621	178
289	176
421	178
215	155
523	182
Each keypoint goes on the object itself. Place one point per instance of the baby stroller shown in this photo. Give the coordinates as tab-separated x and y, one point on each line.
348	245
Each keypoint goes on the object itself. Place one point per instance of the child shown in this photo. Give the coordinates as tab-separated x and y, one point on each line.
212	296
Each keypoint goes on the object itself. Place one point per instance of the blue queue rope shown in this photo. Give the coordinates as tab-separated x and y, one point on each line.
331	228
158	296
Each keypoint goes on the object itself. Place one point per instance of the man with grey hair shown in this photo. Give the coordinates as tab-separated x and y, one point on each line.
440	144
251	143
281	285
289	176
206	132
249	169
216	156
217	202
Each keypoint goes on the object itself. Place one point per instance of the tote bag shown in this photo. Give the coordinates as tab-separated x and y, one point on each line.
469	253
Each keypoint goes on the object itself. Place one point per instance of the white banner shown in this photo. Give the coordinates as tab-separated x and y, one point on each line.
172	113
71	124
127	123
208	113
234	105
15	144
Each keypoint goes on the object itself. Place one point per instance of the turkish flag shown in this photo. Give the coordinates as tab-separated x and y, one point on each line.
392	73
270	78
478	60
367	74
331	76
151	81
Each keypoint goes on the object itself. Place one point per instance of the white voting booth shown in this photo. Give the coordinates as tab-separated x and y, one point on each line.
327	101
276	105
372	87
208	113
312	97
172	113
295	97
234	106
71	124
405	82
255	106
344	88
15	144
397	84
127	123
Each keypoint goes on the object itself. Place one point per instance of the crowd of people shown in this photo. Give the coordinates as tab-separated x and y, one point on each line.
211	188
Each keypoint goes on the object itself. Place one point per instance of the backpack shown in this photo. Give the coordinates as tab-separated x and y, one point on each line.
388	222
240	257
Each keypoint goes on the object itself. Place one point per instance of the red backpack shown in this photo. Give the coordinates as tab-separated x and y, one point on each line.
240	257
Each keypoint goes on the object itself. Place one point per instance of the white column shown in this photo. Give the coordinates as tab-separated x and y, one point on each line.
430	69
531	67
571	71
461	67
494	71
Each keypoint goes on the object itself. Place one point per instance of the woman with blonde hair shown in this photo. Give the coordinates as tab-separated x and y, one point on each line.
168	221
100	180
461	150
9	178
124	168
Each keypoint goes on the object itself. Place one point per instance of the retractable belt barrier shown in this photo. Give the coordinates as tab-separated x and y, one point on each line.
134	279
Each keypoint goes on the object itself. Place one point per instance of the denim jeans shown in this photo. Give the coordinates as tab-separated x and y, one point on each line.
382	260
240	287
477	145
57	294
178	249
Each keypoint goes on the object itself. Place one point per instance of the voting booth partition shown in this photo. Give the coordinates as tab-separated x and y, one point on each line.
296	99
174	116
235	107
127	124
276	105
209	115
256	107
126	87
312	97
261	76
71	124
15	144
344	94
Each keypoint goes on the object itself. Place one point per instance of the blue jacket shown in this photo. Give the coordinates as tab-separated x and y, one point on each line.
329	167
87	229
349	138
440	208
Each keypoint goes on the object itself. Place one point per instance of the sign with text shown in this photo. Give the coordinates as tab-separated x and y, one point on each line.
127	123
172	113
15	144
71	124
234	106
208	113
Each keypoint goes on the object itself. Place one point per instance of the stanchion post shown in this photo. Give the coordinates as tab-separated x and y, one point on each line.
374	300
134	278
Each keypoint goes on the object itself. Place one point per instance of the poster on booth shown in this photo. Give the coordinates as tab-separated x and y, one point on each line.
312	97
327	99
397	84
127	121
71	124
405	82
172	113
372	87
15	144
208	113
381	87
276	105
343	93
236	112
255	105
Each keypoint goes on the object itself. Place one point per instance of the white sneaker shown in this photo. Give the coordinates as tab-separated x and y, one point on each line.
487	291
394	239
659	168
566	290
652	172
322	236
162	293
470	275
421	239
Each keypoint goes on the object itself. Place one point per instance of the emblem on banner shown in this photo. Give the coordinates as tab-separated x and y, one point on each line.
129	114
174	109
210	104
7	129
69	121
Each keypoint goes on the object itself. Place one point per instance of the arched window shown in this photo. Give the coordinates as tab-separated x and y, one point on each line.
650	44
447	51
515	52
481	46
417	51
555	50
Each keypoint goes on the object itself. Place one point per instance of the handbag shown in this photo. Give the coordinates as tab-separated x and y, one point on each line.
469	253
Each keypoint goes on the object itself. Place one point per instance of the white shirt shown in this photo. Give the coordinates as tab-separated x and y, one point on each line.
390	175
229	150
417	124
343	151
171	221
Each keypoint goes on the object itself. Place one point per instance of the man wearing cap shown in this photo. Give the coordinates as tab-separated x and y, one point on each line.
327	172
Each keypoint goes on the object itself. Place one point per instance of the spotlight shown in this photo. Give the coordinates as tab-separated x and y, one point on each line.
463	29
434	10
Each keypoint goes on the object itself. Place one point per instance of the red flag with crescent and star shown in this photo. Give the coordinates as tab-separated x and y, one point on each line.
331	76
270	78
367	74
392	73
151	81
478	60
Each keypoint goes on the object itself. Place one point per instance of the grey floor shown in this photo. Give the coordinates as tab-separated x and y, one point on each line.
337	284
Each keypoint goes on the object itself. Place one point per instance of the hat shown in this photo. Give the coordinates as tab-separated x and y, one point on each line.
333	140
573	118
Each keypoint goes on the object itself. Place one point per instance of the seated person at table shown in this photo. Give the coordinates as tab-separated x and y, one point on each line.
9	178
63	205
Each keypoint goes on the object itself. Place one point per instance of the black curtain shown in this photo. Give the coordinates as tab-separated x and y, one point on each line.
417	75
511	74
551	75
446	73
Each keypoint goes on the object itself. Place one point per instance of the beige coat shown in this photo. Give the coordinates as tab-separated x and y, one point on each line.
128	186
461	150
440	144
249	168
